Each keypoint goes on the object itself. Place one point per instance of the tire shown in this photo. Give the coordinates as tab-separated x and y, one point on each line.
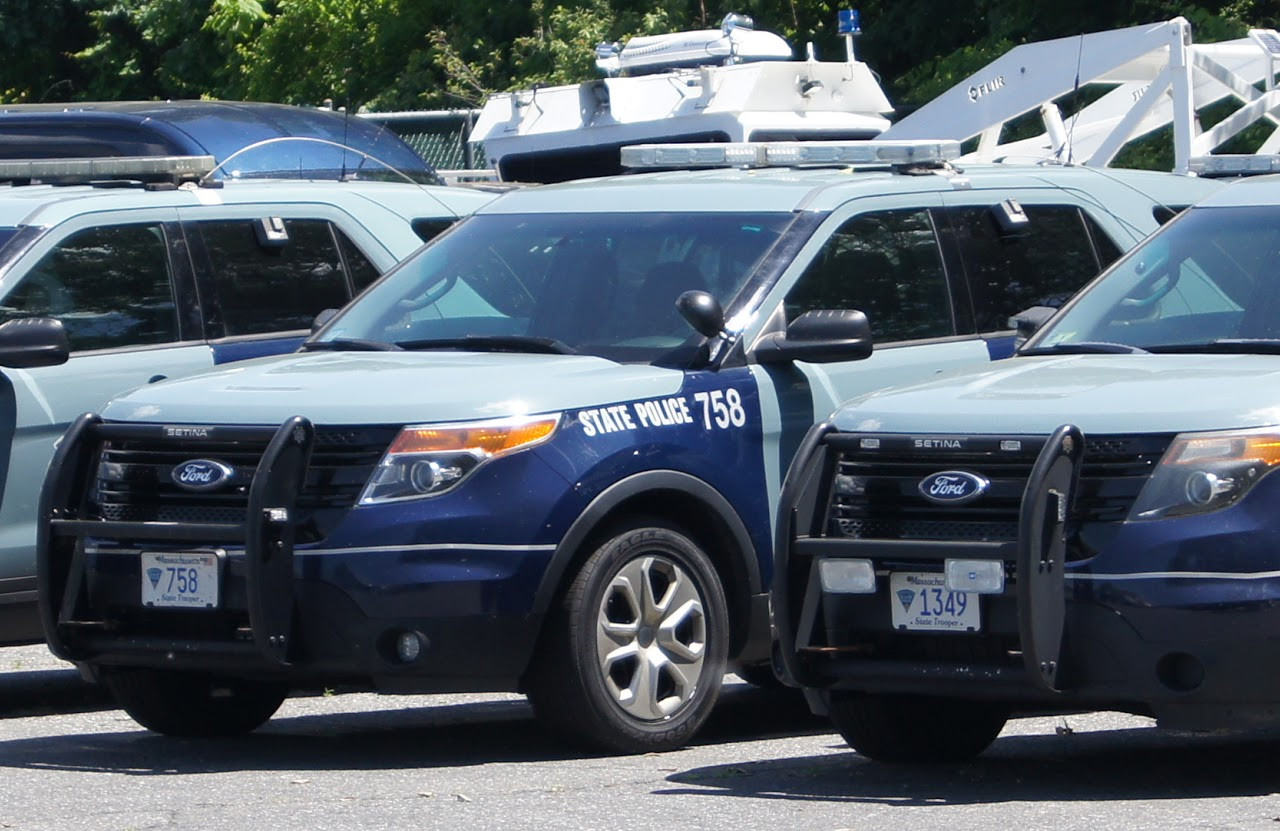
916	729
193	704
629	670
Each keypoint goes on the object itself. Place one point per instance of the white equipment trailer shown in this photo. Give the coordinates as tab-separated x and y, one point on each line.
1162	78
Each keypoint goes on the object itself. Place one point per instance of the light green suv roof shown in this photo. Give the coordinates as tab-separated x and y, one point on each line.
1249	191
45	205
814	189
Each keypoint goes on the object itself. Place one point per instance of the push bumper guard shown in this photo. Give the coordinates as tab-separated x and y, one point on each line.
267	535
1037	558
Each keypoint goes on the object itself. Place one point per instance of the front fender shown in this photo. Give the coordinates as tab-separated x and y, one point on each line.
608	501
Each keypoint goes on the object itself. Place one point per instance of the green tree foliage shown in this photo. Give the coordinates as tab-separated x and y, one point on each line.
348	52
403	54
40	37
152	49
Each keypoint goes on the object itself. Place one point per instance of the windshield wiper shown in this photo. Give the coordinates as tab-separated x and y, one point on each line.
1087	347
1240	346
494	343
349	345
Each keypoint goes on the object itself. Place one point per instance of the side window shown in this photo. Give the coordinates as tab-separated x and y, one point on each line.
111	287
887	265
361	270
1042	264
272	281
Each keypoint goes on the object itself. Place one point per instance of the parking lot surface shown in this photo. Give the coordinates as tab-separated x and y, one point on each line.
362	761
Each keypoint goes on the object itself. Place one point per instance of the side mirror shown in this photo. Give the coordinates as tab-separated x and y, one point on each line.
31	342
1028	321
322	318
819	336
701	311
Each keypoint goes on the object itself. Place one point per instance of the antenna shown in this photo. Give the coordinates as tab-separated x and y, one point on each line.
1111	176
1075	97
205	179
346	116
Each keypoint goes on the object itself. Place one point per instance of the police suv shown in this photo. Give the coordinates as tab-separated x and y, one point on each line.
1091	524
154	280
543	454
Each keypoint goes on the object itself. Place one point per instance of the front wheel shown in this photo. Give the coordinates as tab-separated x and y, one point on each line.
916	729
632	658
193	704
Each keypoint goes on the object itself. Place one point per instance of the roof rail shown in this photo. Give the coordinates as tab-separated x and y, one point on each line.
169	169
1161	78
789	154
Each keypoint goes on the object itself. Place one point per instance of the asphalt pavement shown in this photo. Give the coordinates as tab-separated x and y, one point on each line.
362	761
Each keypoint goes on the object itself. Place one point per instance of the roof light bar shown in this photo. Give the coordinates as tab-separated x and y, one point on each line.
1235	164
123	167
789	154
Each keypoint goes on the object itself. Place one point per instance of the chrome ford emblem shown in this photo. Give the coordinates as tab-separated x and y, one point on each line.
953	487
202	475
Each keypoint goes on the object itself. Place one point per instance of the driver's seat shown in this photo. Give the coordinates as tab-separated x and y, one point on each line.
576	301
655	305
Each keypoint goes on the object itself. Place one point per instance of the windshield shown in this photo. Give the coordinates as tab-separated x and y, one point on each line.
6	234
1209	281
602	284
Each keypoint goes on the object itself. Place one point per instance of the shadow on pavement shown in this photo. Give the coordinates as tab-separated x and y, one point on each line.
418	737
1141	763
48	691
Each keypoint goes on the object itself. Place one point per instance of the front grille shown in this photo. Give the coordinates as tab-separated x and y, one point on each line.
189	514
134	481
875	494
867	529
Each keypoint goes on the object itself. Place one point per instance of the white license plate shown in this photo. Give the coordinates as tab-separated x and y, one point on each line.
921	601
180	579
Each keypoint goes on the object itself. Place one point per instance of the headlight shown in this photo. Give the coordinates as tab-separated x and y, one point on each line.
1203	472
431	459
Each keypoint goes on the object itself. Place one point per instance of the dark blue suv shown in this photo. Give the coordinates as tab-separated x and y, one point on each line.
338	143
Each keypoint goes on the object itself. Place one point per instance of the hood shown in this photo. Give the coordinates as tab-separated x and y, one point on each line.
1097	393
392	388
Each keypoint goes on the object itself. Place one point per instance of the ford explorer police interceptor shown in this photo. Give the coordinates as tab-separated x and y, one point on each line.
152	279
1091	524
543	454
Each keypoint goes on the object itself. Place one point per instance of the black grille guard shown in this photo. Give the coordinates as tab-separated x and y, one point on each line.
804	508
267	534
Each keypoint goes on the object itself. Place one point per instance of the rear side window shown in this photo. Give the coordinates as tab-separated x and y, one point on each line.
1042	264
111	287
887	265
272	275
429	229
1163	213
